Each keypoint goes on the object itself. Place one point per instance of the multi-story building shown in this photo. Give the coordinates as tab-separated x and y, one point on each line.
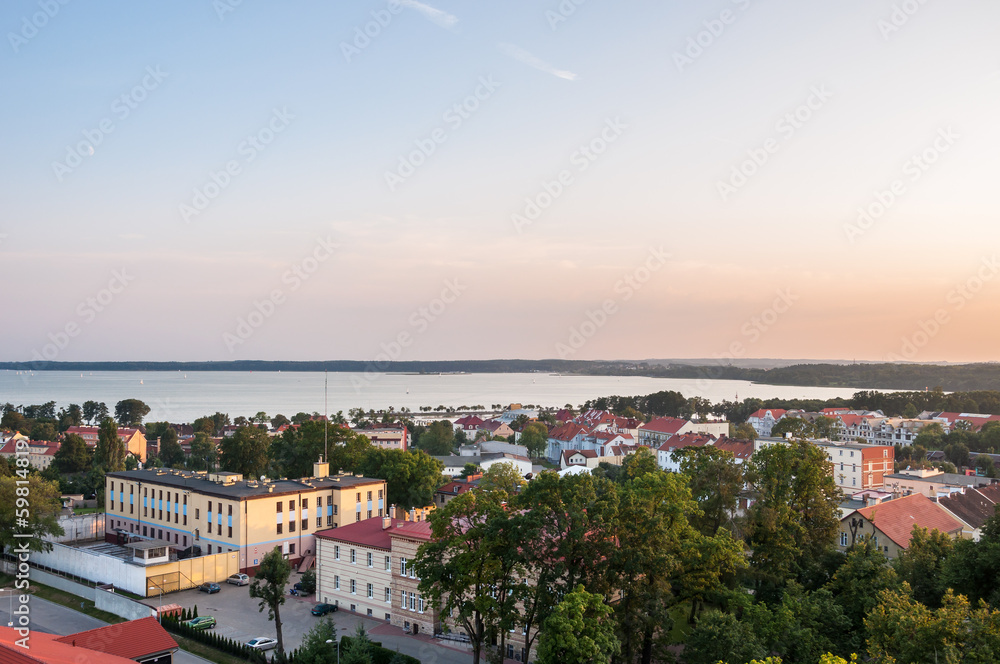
39	452
387	437
409	609
354	567
764	420
932	482
135	440
222	511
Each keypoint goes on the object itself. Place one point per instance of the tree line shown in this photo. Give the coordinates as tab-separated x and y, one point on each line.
634	564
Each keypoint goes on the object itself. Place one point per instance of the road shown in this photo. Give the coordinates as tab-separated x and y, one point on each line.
53	618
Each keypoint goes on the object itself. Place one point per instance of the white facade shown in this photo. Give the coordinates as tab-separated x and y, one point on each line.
354	577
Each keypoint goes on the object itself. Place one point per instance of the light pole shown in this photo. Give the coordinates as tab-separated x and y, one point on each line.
337	642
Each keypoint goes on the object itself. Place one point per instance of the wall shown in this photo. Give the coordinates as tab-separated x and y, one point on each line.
93	566
190	572
39	576
122	606
80	527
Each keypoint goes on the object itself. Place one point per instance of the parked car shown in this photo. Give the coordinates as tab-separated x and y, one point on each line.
238	579
298	590
262	643
209	588
201	622
323	609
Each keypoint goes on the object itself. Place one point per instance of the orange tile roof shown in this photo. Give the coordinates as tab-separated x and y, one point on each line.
131	640
896	518
50	649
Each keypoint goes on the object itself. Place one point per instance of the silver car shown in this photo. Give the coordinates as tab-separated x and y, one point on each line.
239	580
262	643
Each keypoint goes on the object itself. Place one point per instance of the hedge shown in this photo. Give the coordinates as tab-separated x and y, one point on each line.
380	655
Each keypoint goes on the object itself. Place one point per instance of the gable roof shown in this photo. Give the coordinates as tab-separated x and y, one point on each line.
776	413
567	431
46	648
741	449
669	425
687	440
973	506
131	639
896	518
369	532
586	454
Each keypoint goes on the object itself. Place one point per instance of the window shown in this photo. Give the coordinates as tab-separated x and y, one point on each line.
305	524
370	557
197	513
291	526
336	582
354	587
371	591
380	494
319	522
402	599
336	508
291	505
291	549
843	539
329	519
357	517
369	495
354	557
358	500
209	527
278	505
388	564
369	514
336	552
388	596
279	529
305	503
402	566
230	532
230	510
420	604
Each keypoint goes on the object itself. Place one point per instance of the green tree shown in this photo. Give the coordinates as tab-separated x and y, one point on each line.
28	504
971	568
722	637
716	481
744	431
359	649
438	439
535	437
798	427
203	452
94	411
44	431
309	582
795	516
129	412
314	648
857	585
910	411
171	452
109	453
73	455
921	565
642	462
411	477
579	630
931	437
825	427
246	451
268	586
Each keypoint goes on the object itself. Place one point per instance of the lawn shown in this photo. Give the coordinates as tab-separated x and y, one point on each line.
87	510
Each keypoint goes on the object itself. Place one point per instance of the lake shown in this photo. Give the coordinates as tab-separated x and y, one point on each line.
182	397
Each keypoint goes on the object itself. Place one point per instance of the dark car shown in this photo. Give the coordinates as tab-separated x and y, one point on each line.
323	609
209	588
299	591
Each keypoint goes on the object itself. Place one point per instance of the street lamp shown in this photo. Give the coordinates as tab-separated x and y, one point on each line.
338	644
159	614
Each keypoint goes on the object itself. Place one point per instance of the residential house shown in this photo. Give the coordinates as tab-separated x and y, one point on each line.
932	482
855	467
492	447
445	493
763	420
973	507
39	453
393	437
134	439
569	436
889	525
143	640
409	609
665	453
494	428
577	458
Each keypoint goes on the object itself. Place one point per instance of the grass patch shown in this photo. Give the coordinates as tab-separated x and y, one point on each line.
87	510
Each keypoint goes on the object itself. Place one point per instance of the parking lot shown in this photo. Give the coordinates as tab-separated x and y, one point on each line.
237	617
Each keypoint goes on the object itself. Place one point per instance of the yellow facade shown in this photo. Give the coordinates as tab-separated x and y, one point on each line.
222	512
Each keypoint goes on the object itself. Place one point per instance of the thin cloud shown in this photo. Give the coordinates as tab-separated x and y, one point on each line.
521	55
442	18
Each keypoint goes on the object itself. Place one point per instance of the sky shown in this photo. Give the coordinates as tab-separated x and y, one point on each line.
583	179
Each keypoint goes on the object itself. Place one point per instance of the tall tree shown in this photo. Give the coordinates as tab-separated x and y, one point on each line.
921	565
268	586
171	453
579	630
411	476
73	455
94	411
110	451
439	439
795	516
715	481
129	412
245	452
28	504
203	452
535	437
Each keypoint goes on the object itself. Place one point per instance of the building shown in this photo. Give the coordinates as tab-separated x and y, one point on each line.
889	525
494	428
665	452
455	465
577	458
223	512
447	492
353	567
40	453
135	440
409	610
764	420
388	438
492	447
973	507
142	640
932	482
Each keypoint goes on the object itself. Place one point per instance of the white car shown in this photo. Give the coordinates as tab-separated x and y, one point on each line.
262	643
239	580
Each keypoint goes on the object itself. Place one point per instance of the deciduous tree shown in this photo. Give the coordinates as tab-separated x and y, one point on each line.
268	586
579	631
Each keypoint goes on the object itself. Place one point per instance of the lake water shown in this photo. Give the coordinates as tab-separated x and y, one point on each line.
182	397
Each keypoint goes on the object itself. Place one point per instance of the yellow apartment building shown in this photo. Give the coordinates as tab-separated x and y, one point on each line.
222	511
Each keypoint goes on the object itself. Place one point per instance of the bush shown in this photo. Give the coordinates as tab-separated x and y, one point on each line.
379	654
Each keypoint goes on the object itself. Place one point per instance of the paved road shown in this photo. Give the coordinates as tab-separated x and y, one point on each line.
238	618
53	618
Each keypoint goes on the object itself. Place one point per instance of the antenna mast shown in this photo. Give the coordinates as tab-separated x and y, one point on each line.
326	411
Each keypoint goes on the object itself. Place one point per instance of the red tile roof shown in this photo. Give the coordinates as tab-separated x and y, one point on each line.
664	425
48	649
131	640
586	454
741	449
420	530
368	533
687	440
896	518
776	413
567	431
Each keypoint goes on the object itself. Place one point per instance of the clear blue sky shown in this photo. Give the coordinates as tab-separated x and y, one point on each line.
776	264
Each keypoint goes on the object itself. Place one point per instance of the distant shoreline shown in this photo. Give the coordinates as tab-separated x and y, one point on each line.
872	376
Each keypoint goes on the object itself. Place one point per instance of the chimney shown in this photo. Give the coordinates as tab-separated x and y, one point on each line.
413	514
386	523
392	511
321	469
